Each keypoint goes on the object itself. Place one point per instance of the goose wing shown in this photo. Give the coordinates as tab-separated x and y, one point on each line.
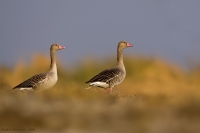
32	82
105	76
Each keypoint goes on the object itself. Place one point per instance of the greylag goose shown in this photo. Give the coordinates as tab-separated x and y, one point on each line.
109	78
43	80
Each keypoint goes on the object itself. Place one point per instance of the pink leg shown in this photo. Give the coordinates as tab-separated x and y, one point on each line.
110	90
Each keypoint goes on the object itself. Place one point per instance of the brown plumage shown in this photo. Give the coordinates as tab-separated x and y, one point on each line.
109	78
43	80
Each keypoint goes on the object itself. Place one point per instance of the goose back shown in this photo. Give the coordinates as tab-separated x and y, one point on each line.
37	82
110	77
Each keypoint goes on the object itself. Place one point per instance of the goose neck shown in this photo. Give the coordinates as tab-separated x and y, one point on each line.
120	57
53	59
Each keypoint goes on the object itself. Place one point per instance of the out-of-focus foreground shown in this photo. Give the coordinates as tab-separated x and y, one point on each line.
155	97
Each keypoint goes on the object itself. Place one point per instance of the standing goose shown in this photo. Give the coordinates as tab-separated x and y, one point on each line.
43	80
109	78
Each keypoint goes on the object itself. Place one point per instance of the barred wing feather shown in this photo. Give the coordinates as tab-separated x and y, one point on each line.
31	82
105	76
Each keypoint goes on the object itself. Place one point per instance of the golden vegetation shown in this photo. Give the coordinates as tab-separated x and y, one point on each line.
155	97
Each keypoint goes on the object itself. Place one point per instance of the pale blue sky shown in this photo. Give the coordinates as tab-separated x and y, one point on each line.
166	29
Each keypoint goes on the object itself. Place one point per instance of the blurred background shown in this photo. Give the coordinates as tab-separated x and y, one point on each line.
160	93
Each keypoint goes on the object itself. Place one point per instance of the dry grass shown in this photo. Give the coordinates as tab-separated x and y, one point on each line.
155	97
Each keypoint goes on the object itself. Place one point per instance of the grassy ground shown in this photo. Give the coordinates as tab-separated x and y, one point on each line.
155	97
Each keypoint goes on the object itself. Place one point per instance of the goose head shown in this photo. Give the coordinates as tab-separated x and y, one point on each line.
55	47
124	44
